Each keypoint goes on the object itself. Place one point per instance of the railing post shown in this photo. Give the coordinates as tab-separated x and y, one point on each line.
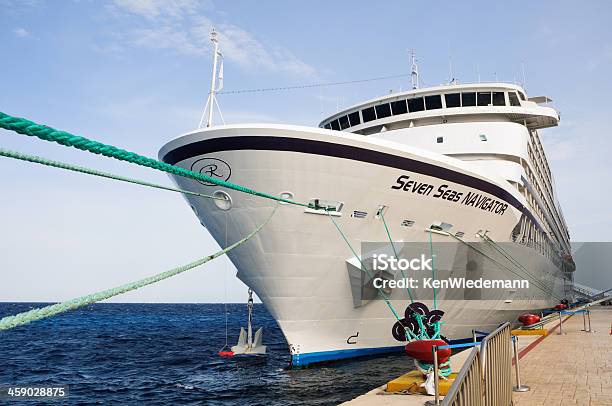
519	387
436	401
584	320
474	336
560	325
589	317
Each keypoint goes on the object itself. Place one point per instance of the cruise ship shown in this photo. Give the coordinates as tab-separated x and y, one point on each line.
460	163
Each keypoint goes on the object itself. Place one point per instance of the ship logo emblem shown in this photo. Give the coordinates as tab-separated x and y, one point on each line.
213	168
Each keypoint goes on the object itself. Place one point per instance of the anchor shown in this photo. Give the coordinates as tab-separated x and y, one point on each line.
246	344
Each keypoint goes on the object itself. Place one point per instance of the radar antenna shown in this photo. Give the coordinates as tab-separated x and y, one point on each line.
414	74
216	84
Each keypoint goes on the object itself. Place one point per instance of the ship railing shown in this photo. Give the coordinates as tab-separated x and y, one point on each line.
486	376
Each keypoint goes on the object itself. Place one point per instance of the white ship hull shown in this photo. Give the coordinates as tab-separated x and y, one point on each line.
297	264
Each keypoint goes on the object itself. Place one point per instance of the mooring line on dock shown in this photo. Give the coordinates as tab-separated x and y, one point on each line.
538	340
20	319
80	169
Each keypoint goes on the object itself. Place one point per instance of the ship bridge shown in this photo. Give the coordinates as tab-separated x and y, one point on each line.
445	104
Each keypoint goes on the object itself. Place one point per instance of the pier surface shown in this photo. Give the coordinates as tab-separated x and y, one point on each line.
570	369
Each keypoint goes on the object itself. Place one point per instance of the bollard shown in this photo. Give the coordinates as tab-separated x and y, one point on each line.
436	401
519	387
560	325
589	317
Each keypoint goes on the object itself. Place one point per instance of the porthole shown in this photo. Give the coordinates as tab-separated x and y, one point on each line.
286	196
223	201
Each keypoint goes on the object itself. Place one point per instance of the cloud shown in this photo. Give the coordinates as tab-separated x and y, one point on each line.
181	27
153	9
21	32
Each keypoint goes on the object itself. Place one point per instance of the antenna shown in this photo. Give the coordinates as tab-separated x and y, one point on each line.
216	84
524	84
414	74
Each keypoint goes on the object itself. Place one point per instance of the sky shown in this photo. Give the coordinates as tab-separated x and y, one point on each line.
135	74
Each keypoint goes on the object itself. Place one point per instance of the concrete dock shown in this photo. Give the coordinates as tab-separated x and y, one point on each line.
570	369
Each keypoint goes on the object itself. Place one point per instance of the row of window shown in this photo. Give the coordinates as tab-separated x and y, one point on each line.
415	104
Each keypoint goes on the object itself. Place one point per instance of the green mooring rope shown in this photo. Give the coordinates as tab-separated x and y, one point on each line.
37	314
433	269
409	334
382	216
27	127
94	172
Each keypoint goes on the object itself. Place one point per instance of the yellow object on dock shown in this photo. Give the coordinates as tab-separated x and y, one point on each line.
412	383
534	332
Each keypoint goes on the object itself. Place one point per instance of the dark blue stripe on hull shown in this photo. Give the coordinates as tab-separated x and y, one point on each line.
303	360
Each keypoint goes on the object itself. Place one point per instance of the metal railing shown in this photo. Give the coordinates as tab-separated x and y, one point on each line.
486	376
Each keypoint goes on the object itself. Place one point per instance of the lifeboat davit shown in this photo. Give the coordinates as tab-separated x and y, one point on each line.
421	350
528	319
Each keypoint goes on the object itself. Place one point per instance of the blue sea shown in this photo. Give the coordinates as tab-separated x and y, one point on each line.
166	354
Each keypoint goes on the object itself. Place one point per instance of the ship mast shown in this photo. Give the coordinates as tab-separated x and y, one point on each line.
216	84
414	74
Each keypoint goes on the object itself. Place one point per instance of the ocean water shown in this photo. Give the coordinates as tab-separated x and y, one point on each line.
166	354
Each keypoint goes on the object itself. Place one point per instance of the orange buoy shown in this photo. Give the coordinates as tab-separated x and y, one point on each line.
226	353
421	350
561	306
528	319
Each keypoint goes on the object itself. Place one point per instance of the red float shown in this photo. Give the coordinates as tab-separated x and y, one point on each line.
528	319
561	306
421	350
226	353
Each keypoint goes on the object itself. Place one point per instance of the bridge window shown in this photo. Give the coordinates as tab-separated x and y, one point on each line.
344	122
468	99
522	96
335	125
499	99
368	114
514	101
433	102
416	104
484	98
328	126
384	110
399	107
453	100
354	118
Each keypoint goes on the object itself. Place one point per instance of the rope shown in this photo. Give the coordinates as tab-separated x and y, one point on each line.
20	319
444	369
433	269
364	268
94	172
533	278
26	127
509	257
382	216
270	89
